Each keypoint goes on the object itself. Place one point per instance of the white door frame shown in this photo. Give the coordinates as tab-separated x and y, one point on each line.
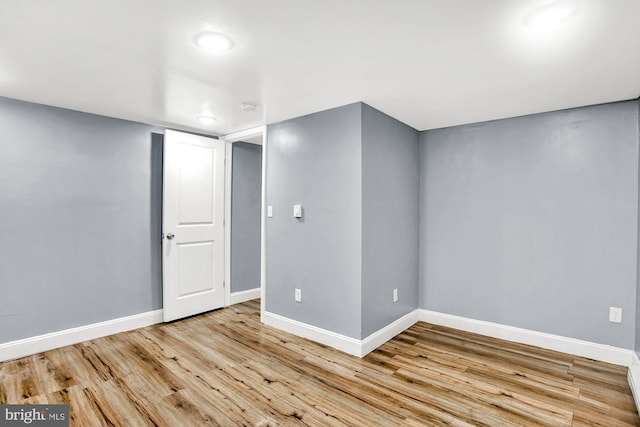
229	139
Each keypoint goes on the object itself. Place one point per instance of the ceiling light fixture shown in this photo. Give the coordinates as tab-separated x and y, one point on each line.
552	14
207	119
214	42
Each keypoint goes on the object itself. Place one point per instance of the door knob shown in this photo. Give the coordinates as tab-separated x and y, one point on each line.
170	236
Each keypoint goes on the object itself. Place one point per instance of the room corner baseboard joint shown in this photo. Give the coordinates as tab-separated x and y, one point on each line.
353	346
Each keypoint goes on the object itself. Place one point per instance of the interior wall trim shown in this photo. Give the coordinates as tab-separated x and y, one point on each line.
242	296
601	352
633	377
383	335
355	347
360	348
341	342
33	345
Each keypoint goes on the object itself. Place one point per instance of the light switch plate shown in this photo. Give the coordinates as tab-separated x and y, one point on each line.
297	211
615	315
269	211
298	295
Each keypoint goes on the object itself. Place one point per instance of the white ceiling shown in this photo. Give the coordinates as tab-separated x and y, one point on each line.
428	63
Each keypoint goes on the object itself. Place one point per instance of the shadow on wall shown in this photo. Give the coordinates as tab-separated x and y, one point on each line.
155	215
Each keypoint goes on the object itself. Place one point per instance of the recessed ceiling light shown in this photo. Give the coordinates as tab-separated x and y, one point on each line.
214	42
207	119
552	14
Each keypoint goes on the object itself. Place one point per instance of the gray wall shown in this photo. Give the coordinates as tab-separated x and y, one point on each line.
390	219
80	219
315	160
532	221
246	195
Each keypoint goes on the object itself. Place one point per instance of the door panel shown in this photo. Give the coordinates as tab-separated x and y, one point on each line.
196	272
193	253
196	183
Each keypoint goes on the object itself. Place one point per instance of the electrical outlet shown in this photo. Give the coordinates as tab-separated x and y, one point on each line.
395	295
298	295
615	315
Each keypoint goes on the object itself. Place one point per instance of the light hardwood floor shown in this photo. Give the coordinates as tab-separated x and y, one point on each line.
226	368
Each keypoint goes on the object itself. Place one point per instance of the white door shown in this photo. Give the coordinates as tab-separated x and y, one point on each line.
193	225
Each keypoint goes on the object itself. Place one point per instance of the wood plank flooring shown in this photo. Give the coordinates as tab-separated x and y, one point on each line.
226	368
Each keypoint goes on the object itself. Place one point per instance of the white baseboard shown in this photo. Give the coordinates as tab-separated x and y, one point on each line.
341	342
633	377
604	353
383	335
242	296
28	346
355	347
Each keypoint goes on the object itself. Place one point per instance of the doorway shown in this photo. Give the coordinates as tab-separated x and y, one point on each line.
213	228
245	214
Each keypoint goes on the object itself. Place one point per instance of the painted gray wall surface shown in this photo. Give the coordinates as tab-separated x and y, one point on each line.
246	196
80	219
315	160
532	221
390	219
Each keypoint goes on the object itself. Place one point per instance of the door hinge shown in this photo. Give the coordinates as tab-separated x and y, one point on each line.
224	284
